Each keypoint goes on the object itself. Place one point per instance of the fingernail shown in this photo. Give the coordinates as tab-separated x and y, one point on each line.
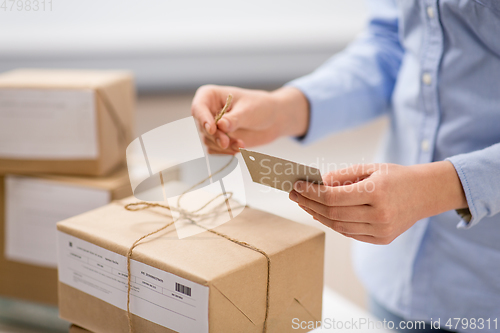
298	186
294	196
207	127
218	142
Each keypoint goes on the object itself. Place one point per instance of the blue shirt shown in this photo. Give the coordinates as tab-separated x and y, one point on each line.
433	66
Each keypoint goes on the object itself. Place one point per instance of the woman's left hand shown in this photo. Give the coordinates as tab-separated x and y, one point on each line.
376	203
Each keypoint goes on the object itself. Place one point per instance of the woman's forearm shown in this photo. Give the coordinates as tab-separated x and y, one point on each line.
292	108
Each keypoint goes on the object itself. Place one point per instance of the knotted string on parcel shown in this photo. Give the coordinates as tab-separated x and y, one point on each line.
191	215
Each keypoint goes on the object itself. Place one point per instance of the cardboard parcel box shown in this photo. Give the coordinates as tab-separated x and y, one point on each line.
202	283
30	207
65	121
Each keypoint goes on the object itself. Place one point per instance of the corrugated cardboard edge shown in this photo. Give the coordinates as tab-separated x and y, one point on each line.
77	329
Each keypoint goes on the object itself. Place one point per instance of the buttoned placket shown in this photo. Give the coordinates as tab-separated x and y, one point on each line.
431	57
430	61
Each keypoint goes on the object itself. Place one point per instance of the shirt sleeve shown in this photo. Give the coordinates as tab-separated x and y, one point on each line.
479	173
356	85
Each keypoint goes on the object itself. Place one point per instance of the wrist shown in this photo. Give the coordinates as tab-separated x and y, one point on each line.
292	110
442	188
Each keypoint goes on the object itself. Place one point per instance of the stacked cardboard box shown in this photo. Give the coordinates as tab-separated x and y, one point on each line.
64	121
30	207
63	136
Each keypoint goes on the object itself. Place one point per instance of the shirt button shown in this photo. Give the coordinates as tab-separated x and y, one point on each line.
430	12
427	79
424	145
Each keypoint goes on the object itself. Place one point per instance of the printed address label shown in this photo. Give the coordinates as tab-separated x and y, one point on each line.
158	296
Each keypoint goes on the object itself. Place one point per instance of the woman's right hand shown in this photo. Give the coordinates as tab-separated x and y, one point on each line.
255	117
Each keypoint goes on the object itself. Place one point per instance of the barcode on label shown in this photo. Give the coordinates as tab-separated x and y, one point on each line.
182	289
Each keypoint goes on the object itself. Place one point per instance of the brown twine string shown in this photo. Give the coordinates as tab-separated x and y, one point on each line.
190	215
224	109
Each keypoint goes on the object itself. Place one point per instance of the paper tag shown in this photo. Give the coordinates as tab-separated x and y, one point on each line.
158	296
48	124
277	172
33	207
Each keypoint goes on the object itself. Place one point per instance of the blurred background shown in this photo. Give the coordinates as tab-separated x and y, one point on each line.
173	47
179	45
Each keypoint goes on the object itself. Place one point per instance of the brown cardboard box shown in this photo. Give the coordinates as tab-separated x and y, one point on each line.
233	278
48	130
77	329
38	283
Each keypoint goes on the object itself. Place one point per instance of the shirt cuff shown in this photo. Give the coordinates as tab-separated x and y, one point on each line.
468	216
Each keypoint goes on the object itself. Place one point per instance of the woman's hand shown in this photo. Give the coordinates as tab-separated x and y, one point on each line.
378	202
255	117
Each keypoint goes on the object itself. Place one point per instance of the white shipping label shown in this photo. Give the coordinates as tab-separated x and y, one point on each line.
48	124
158	296
33	206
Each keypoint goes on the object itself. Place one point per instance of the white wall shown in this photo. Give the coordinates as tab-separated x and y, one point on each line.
182	44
